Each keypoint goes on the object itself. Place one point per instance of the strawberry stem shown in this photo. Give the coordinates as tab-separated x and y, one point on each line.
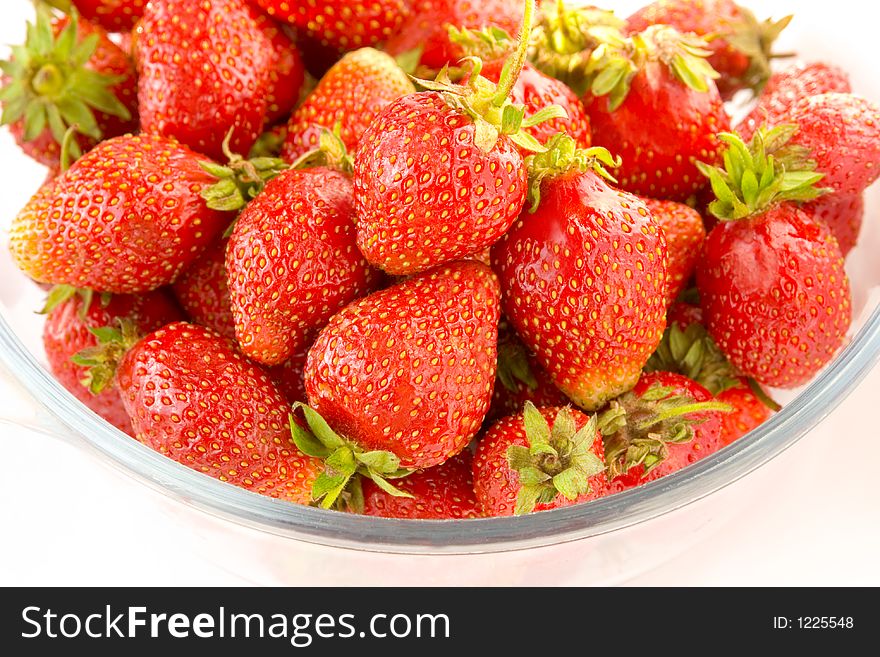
513	66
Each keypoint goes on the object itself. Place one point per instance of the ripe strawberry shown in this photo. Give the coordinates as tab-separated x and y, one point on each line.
67	331
683	314
541	459
292	262
749	411
112	15
404	376
664	424
352	93
127	217
341	24
191	396
657	78
741	46
842	213
289	376
684	231
440	493
202	292
67	73
427	28
520	378
786	88
205	69
584	276
287	74
782	318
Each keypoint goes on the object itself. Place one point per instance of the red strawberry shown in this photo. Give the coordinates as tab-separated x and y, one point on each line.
520	379
127	217
191	396
683	314
657	78
112	15
67	73
584	277
783	317
664	424
289	376
786	88
341	24
749	411
842	213
741	45
352	93
205	69
684	231
439	493
292	262
202	291
67	332
287	72
404	376
541	459
842	134
427	28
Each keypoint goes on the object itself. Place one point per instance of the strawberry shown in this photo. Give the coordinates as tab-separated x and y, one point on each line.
439	176
292	262
68	73
341	24
112	15
657	78
205	69
520	378
202	292
843	214
127	217
191	396
662	425
782	318
352	93
741	45
584	276
287	73
750	410
404	376
440	493
538	460
427	27
786	88
289	376
683	314
684	231
73	315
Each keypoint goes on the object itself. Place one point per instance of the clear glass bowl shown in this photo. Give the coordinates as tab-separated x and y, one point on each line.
20	351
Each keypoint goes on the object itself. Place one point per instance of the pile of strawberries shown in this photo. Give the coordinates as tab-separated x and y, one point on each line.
433	258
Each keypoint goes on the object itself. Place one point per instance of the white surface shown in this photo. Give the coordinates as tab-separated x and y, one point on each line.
811	518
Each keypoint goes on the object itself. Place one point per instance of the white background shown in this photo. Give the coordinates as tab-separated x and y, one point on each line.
66	518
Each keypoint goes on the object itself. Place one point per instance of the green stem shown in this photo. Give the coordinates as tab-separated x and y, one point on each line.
687	409
66	146
518	59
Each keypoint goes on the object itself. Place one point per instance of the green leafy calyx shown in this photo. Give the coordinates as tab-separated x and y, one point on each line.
770	170
345	462
513	367
102	360
693	353
331	152
559	459
50	85
755	40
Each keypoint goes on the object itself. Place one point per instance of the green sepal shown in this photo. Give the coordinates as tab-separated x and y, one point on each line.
345	462
693	353
331	152
102	360
513	367
762	396
755	39
488	44
557	460
409	61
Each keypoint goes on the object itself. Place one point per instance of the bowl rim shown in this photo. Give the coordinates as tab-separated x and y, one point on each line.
485	535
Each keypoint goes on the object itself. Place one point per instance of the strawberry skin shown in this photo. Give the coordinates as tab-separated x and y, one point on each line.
341	24
748	414
352	93
289	376
843	214
584	284
287	72
292	262
410	369
425	193
203	294
428	26
445	492
782	318
204	69
112	15
125	218
684	231
787	88
660	163
192	397
66	333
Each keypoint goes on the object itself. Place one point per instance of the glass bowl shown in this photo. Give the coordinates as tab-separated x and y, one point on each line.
21	352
